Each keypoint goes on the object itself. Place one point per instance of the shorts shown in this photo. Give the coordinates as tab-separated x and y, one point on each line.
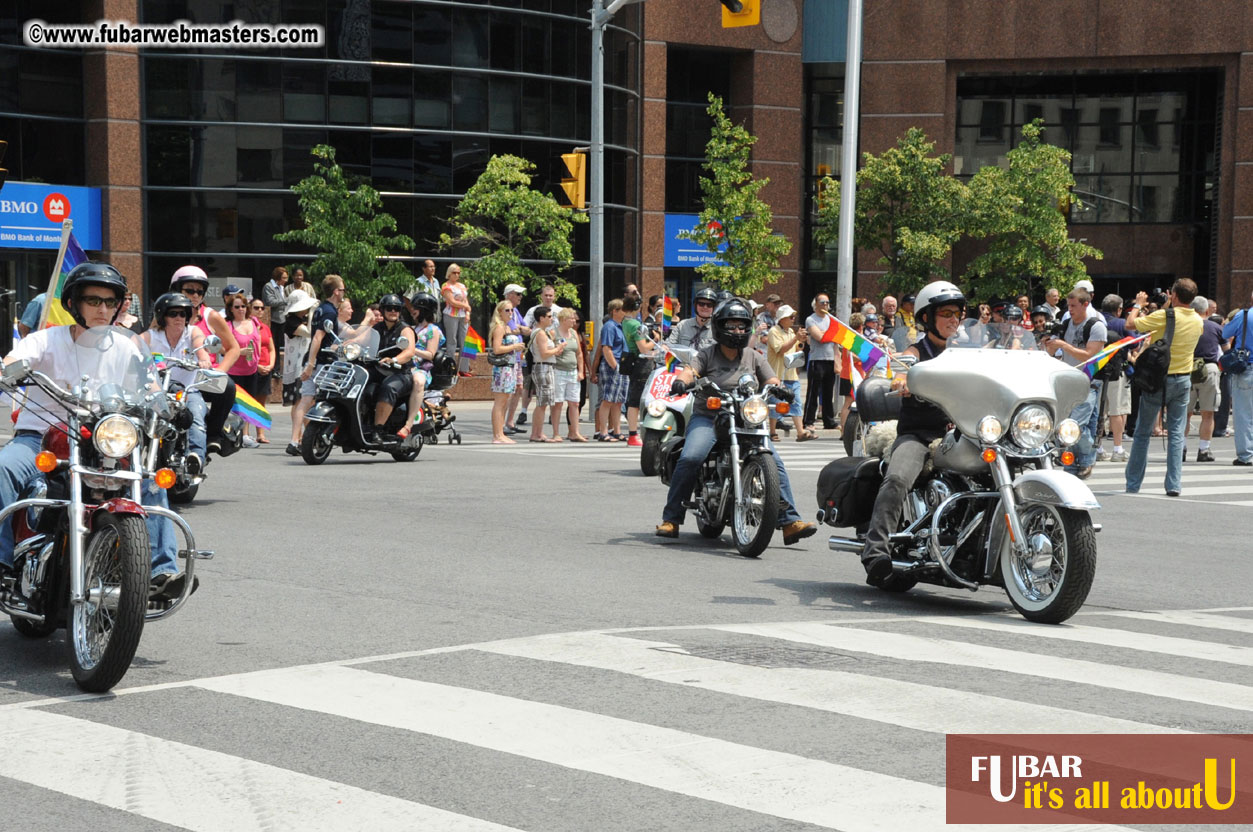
1118	397
638	382
613	385
795	387
1205	394
567	387
506	379
544	377
846	387
308	388
528	379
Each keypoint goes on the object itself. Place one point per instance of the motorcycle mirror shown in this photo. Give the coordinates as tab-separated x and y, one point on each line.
213	345
905	360
403	343
748	382
328	327
16	370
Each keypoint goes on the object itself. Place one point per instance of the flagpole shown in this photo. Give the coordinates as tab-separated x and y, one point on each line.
67	226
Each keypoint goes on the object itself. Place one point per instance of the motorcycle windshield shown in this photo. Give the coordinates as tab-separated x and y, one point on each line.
359	342
115	369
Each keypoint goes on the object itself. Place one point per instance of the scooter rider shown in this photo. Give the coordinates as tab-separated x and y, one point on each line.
173	335
193	282
696	332
723	363
429	343
395	386
938	309
94	295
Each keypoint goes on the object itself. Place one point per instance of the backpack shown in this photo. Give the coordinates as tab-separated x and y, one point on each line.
1117	363
1154	363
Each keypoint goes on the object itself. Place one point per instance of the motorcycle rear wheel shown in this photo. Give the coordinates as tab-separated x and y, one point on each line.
408	454
33	629
650	454
316	444
710	530
852	424
1052	596
182	496
104	631
753	524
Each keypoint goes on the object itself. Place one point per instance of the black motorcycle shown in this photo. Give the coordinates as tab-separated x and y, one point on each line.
171	450
738	482
345	401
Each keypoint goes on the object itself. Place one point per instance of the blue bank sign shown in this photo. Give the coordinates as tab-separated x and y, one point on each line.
685	253
31	215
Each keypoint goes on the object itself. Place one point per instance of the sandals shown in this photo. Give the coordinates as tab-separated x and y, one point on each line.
579	438
774	437
608	437
805	436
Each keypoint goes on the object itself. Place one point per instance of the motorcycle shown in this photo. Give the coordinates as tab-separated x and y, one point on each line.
738	483
82	557
344	406
171	448
664	416
989	509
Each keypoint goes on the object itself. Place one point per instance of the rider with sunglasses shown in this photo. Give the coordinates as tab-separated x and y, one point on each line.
193	282
172	334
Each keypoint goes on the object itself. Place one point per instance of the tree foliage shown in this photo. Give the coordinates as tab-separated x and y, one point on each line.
908	209
501	223
348	233
1019	208
735	223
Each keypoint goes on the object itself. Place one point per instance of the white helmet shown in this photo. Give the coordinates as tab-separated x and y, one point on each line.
932	297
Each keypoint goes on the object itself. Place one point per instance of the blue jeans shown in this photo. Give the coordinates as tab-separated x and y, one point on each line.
197	435
698	441
1175	396
1087	413
1242	413
17	471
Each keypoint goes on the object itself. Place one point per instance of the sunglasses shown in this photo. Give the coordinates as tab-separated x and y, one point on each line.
824	303
96	302
393	308
258	307
704	303
178	313
195	293
948	313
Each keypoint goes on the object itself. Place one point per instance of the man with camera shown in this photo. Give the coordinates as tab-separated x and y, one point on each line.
1083	338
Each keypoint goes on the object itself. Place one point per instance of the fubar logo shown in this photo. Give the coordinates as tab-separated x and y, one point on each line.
56	207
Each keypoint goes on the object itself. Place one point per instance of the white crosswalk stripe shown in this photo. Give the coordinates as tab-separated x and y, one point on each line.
624	706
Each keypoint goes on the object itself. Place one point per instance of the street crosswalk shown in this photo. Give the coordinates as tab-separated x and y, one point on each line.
836	724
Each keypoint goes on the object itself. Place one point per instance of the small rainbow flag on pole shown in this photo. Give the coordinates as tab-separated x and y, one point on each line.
667	315
1094	364
672	362
251	410
70	255
474	344
839	334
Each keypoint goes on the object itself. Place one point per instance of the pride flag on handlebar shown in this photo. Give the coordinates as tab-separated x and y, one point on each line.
838	333
1094	364
250	410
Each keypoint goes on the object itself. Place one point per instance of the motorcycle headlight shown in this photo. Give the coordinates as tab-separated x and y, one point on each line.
1067	432
115	436
1033	425
352	351
754	410
991	430
656	409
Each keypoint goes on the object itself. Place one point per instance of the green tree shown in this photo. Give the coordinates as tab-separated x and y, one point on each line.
735	223
909	209
502	222
1020	209
347	231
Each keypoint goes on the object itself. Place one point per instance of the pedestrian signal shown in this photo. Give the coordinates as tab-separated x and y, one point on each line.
740	13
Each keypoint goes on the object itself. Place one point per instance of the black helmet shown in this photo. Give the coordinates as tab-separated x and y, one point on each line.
705	294
732	310
1013	314
391	301
724	295
426	305
168	302
932	297
91	274
1043	309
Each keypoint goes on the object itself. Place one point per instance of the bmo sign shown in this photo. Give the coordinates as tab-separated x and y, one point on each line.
31	215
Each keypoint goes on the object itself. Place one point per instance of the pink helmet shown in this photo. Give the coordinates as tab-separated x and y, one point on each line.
188	274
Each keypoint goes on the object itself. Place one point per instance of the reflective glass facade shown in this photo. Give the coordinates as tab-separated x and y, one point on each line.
415	96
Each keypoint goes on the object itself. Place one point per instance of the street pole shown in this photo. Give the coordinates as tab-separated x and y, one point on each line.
848	162
596	160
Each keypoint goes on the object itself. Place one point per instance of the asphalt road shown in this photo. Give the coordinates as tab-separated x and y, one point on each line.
492	638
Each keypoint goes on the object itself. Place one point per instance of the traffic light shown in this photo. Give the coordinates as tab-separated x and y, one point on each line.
740	13
4	174
575	185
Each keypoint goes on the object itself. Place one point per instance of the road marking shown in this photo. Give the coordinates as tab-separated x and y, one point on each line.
963	654
755	779
1191	619
852	694
194	788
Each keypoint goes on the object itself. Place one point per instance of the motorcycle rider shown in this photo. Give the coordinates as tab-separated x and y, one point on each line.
938	311
429	342
194	283
696	332
1006	333
94	294
393	387
723	363
172	334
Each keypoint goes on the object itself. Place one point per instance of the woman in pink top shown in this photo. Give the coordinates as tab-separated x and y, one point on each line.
248	335
265	363
456	315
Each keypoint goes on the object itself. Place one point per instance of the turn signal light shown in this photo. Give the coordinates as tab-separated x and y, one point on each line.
165	478
781	408
989	454
84	432
1068	458
46	461
713	403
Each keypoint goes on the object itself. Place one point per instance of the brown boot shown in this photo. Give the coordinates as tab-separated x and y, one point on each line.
668	529
796	531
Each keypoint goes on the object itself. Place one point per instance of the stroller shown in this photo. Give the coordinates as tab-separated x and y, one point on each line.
436	418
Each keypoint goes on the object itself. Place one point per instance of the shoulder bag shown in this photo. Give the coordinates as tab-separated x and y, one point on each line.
1236	359
1154	363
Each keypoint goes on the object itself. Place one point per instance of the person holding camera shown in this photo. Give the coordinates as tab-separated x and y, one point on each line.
1084	337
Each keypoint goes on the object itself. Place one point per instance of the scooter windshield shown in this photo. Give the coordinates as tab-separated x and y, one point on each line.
358	342
114	369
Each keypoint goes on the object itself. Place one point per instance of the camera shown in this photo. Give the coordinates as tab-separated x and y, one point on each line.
1054	329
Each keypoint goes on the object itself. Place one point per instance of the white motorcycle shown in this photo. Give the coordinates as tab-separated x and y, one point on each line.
664	417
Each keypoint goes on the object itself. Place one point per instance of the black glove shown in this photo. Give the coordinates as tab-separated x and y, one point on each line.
677	387
783	394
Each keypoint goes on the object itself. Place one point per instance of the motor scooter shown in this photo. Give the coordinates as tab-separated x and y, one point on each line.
664	417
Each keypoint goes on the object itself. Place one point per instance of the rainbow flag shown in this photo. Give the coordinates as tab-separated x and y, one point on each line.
672	362
838	333
70	255
667	315
251	410
158	360
474	344
1094	364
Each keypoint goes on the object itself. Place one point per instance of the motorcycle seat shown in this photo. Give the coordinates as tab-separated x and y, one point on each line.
873	402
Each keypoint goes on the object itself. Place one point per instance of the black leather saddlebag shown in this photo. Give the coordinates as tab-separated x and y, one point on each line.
847	489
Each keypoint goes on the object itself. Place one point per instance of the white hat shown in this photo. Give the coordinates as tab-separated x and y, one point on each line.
1085	284
513	287
784	311
299	301
754	304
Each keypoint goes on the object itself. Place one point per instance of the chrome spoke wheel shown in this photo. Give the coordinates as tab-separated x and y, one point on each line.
1049	581
93	620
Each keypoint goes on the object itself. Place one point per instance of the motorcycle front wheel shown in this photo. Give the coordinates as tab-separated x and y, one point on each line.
1050	583
104	630
650	454
755	517
316	444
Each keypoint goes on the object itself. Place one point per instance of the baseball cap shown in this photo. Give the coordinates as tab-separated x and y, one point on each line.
773	298
1085	284
232	289
514	287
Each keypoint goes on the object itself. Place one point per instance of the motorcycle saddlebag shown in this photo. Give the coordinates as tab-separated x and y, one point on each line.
847	489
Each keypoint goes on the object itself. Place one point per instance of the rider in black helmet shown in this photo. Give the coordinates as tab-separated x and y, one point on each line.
695	331
392	387
429	343
723	363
